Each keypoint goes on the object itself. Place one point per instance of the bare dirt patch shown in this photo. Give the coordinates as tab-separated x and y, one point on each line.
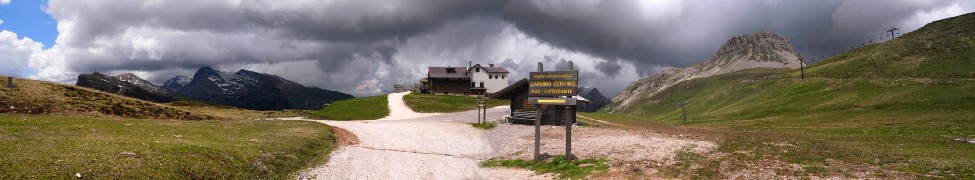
633	153
344	137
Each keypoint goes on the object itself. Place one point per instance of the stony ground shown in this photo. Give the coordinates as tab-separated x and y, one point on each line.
410	145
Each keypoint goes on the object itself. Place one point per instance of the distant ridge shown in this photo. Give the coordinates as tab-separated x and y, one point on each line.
128	85
244	89
757	50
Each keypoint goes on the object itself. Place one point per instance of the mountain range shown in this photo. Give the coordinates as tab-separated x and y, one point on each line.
757	50
244	89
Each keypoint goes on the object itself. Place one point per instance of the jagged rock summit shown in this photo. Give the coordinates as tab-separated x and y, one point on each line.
128	84
177	82
596	99
757	50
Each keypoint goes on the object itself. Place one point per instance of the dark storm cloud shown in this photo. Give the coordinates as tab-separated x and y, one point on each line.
371	44
670	33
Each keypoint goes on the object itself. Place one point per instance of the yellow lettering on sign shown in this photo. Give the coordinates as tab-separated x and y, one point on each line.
553	83
559	75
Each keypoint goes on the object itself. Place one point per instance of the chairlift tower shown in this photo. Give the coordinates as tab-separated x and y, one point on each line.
684	113
892	30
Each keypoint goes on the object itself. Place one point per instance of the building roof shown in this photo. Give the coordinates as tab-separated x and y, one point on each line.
491	68
441	72
511	91
495	70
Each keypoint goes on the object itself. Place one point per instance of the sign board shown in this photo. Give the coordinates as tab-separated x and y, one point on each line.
553	83
552	101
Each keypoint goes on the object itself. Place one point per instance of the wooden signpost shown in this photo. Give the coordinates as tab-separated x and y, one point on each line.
553	88
481	110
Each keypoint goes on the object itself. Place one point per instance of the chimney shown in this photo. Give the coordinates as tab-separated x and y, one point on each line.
490	65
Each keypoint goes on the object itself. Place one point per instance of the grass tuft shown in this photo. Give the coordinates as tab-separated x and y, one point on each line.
576	169
485	125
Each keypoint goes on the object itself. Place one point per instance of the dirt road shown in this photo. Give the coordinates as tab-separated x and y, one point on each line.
410	145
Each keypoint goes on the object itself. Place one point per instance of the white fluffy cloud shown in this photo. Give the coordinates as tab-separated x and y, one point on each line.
4	2
16	53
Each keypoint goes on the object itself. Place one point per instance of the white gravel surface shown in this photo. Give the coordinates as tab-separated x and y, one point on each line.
398	109
410	145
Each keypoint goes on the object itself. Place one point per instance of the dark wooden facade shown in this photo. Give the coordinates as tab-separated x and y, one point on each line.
518	94
447	80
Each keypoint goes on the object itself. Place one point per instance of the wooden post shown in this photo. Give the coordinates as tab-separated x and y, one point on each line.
568	132
538	123
569	119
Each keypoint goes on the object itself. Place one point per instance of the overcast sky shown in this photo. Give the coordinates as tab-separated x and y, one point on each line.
363	47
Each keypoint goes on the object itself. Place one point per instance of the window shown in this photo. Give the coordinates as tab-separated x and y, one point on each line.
482	84
473	85
451	70
477	69
502	76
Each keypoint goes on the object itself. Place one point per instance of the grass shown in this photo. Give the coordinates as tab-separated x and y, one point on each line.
870	124
884	109
230	113
57	147
485	125
39	97
427	103
557	164
365	108
905	125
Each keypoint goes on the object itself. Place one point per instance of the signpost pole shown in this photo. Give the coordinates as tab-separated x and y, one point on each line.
569	117
568	132
538	123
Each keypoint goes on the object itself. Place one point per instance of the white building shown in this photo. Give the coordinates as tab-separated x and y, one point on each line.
491	78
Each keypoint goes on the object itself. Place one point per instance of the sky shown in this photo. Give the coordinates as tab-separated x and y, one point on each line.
364	47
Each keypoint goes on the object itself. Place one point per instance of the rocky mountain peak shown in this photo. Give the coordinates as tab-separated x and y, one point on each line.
177	82
756	50
127	84
596	99
750	43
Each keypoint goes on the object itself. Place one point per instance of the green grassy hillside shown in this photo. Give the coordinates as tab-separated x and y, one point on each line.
58	147
892	109
55	131
426	103
39	97
364	108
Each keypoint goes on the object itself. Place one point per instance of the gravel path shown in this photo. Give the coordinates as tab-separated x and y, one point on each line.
399	110
410	145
